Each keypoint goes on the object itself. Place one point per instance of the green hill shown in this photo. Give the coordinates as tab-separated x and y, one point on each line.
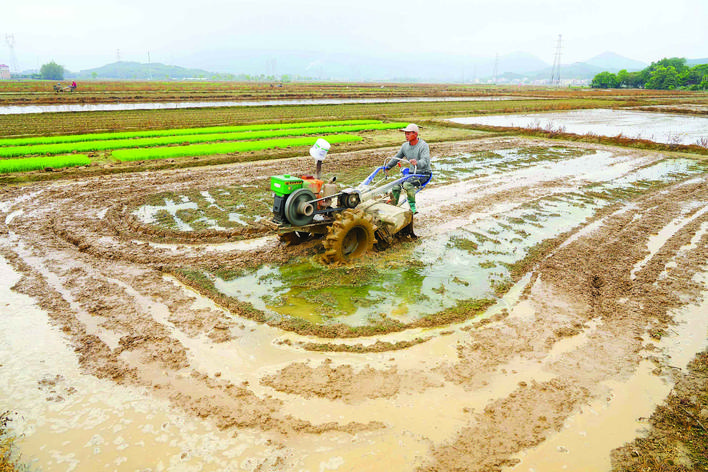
139	71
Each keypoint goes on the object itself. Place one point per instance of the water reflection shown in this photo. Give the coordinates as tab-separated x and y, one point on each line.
28	109
657	127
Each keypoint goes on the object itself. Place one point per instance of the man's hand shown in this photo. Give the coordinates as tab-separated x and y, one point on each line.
414	162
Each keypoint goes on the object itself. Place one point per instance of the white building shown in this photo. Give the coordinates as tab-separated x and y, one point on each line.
4	72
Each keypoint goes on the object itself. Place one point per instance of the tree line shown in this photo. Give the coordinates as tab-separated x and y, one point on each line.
666	74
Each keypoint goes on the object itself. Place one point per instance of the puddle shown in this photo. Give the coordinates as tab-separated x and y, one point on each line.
6	205
605	424
480	164
68	421
462	264
695	240
658	127
214	209
245	245
588	437
91	324
11	216
28	109
150	214
656	241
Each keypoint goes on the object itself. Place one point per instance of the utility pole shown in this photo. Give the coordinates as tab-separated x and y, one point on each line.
117	55
10	40
555	73
149	71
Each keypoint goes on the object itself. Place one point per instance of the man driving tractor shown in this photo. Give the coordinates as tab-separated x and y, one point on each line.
417	152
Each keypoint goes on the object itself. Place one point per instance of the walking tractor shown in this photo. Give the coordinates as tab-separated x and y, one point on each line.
352	219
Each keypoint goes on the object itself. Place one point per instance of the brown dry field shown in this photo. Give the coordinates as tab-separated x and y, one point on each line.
587	317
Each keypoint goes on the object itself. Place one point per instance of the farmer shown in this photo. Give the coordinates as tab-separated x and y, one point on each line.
418	154
73	85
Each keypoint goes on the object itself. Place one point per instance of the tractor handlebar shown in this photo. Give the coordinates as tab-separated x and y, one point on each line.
400	160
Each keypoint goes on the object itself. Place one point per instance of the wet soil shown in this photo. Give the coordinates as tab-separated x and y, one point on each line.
588	310
678	439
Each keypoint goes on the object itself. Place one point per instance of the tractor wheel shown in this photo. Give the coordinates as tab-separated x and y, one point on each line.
350	236
384	238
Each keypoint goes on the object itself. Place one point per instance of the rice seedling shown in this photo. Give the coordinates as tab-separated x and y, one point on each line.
76	138
62	148
36	163
224	148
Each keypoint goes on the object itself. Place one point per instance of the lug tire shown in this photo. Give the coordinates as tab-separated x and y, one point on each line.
350	236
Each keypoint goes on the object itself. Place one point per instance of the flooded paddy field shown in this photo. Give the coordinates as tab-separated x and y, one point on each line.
89	107
690	108
553	296
658	127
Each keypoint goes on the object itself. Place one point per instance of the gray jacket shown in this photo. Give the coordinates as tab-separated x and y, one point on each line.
420	152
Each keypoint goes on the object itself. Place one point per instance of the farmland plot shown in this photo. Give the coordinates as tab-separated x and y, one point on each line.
164	144
548	278
657	127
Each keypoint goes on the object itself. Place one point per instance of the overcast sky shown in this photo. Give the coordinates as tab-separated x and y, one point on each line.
83	34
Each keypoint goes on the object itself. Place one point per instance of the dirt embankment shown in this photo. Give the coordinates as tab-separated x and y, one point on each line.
589	314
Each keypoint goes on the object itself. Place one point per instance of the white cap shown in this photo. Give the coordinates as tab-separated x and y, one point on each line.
319	150
411	127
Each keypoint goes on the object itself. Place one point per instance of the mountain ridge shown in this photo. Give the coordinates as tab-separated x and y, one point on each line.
271	65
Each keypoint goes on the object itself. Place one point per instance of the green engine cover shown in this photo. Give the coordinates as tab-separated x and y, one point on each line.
285	184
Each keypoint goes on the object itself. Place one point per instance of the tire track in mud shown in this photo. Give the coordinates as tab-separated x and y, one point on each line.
78	262
592	275
582	320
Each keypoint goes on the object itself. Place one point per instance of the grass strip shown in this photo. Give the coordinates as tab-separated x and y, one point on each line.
35	163
77	138
225	148
63	148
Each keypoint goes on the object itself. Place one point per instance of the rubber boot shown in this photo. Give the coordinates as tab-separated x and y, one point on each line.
395	195
411	203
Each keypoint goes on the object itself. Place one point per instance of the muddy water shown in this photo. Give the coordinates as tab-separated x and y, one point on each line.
28	109
658	127
74	422
607	423
546	344
71	421
468	259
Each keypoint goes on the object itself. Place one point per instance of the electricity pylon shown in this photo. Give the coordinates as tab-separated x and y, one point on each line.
10	40
556	72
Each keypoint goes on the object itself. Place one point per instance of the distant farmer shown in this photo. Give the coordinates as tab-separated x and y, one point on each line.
73	85
418	154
